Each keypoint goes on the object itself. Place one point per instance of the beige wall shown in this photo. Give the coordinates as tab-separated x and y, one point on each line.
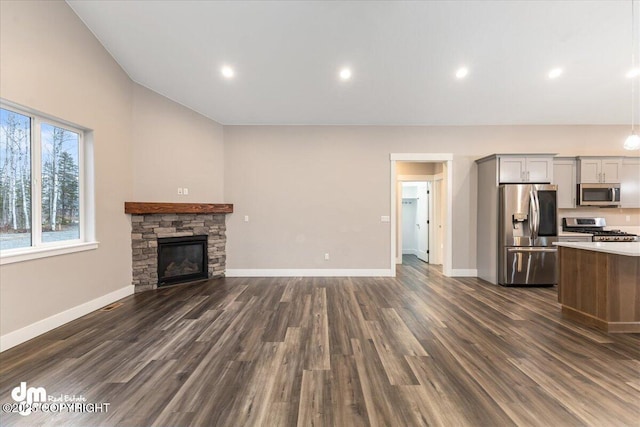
315	189
174	147
52	63
146	146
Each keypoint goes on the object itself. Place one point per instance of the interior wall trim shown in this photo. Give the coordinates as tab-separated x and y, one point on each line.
317	272
21	335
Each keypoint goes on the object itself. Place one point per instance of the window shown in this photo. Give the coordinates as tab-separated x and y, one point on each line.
41	183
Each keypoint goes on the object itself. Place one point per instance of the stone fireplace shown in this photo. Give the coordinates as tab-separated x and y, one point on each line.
171	222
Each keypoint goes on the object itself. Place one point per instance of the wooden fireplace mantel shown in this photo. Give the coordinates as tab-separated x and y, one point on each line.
141	208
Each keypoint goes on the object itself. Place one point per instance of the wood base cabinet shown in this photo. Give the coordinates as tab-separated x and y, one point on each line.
600	289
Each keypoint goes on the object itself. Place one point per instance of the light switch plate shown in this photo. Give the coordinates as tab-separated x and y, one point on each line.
385	218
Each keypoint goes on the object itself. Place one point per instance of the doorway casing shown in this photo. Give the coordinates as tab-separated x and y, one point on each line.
447	159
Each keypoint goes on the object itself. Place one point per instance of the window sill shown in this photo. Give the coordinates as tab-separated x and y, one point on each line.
29	254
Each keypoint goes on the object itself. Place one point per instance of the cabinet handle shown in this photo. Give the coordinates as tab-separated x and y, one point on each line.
604	177
528	176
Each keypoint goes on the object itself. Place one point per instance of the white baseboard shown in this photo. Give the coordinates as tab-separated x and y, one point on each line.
21	335
464	272
319	272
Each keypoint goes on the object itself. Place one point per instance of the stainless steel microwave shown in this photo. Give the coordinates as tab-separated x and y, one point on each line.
599	195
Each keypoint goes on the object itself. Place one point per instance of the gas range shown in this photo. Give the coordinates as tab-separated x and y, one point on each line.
596	226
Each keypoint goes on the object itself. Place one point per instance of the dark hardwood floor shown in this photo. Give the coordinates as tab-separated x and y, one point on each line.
418	349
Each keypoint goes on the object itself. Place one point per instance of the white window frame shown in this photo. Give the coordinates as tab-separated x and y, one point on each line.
86	240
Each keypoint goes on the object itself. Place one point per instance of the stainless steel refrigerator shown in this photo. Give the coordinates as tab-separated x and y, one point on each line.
527	228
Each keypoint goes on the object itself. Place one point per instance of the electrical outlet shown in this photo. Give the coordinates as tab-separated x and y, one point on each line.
246	218
628	218
385	218
326	257
185	191
180	190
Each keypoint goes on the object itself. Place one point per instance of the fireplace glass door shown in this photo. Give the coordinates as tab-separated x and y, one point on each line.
182	259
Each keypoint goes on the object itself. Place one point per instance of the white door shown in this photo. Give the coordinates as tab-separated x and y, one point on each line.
422	221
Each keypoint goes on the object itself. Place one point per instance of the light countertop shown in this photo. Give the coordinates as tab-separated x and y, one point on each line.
618	248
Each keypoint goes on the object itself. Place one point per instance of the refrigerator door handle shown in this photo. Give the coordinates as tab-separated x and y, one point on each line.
533	217
535	194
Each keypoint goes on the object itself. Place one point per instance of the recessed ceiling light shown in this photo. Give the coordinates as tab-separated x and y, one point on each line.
345	74
634	72
555	73
227	72
462	72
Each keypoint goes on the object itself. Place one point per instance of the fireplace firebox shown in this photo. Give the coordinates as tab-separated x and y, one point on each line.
182	259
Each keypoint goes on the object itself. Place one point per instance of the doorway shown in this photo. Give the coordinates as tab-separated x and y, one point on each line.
415	219
441	184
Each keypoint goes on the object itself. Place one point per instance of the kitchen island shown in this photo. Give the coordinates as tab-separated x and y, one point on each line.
599	284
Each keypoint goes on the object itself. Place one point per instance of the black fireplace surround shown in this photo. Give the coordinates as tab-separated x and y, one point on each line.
182	259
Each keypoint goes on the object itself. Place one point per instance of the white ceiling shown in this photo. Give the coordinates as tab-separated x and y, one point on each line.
287	55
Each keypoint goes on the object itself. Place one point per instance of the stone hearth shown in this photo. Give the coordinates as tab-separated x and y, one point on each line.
147	228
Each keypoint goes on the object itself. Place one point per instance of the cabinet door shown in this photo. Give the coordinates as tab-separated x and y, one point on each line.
564	176
539	169
611	170
512	169
630	183
590	170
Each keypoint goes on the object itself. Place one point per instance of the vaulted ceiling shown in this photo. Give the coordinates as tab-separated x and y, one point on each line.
286	57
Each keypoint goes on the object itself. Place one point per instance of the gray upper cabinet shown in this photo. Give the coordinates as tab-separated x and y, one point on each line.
519	169
564	176
593	170
630	183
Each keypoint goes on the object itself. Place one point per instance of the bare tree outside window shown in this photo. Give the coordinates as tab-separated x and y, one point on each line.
15	180
60	198
53	213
